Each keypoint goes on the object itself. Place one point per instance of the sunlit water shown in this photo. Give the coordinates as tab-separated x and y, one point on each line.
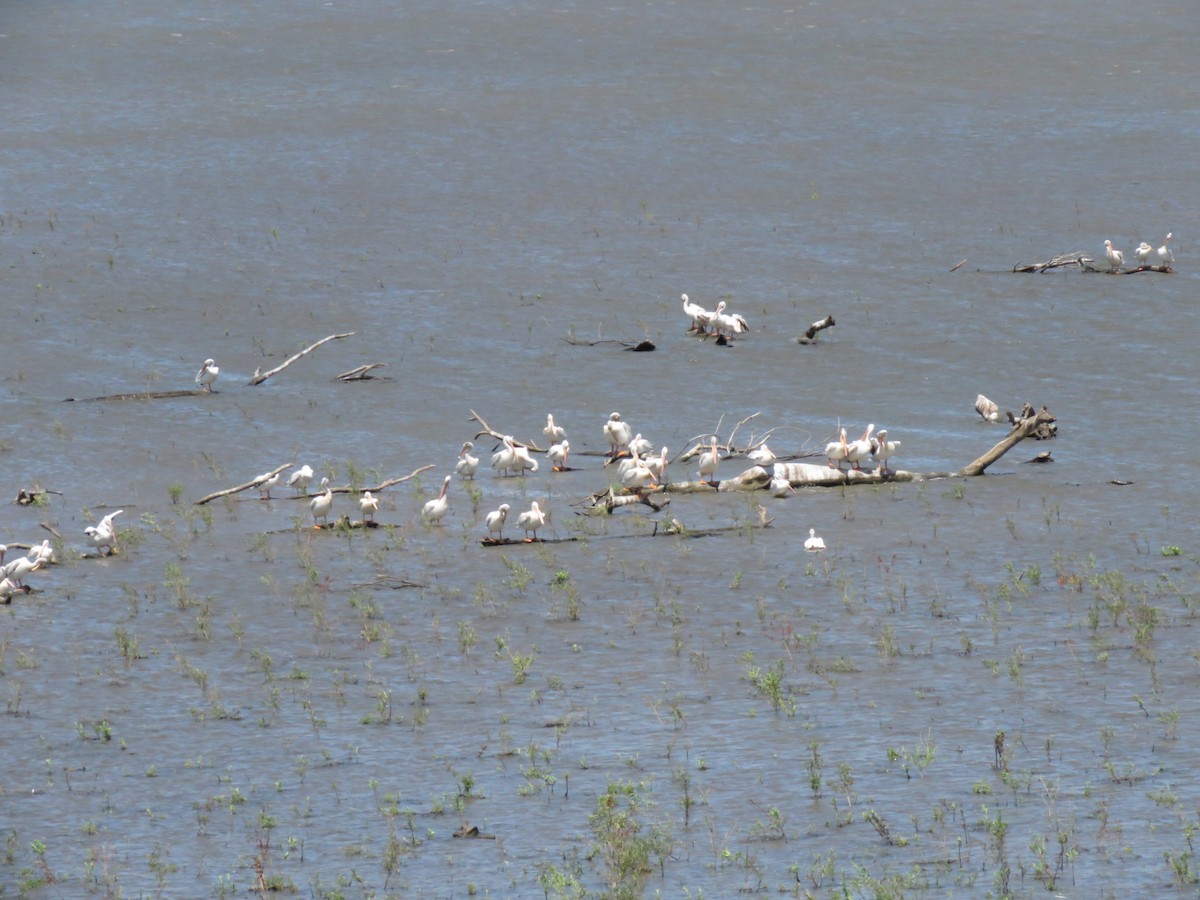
463	186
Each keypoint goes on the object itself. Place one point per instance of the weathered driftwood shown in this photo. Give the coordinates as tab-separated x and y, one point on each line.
360	373
607	500
666	528
1085	263
1024	427
958	265
816	328
138	395
392	582
26	496
261	376
243	487
635	346
486	430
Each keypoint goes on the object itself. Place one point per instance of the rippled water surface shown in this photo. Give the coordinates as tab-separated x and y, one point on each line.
237	702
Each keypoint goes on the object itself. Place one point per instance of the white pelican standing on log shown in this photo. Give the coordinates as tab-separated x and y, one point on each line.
522	459
322	504
642	446
435	510
814	543
618	434
531	520
883	450
837	451
762	455
207	376
104	534
300	479
495	523
698	314
709	460
467	464
637	476
859	450
730	322
1143	253
44	552
368	505
658	465
558	454
988	411
1165	256
556	434
1115	257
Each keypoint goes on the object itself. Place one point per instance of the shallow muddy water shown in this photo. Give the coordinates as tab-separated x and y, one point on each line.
236	702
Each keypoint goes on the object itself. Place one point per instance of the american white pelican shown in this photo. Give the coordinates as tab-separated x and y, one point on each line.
859	450
988	411
522	459
658	465
7	588
781	487
730	322
504	460
1143	253
837	451
44	552
617	433
698	314
368	505
883	450
641	445
495	522
300	478
467	464
16	570
1115	257
531	520
762	455
435	510
709	460
1165	256
556	434
3	551
207	375
321	505
104	534
266	481
814	543
558	454
637	476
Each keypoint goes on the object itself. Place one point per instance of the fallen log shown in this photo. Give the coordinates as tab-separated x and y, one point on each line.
1022	428
1063	260
336	490
261	376
488	431
255	482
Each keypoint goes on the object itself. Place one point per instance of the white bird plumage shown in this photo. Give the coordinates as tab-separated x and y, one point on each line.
658	465
555	433
728	322
1115	257
558	454
104	534
322	504
814	543
207	375
531	520
641	445
1142	253
266	481
781	487
495	522
16	570
44	552
636	475
859	450
988	411
762	455
883	450
837	451
300	479
435	510
368	505
617	433
698	314
710	459
467	464
1165	256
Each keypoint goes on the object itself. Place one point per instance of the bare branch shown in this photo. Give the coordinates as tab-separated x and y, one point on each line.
260	376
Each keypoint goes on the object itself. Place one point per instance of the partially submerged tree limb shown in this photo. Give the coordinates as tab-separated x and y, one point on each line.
1022	429
816	328
486	430
260	376
139	395
237	489
361	373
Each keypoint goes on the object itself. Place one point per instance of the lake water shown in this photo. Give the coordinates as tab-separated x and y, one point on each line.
237	703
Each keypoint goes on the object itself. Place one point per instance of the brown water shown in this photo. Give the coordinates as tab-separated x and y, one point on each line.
465	185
